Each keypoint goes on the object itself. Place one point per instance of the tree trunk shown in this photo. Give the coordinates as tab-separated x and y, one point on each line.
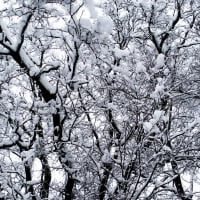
104	180
29	178
45	178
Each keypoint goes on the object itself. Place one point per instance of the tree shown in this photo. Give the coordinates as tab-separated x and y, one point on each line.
108	103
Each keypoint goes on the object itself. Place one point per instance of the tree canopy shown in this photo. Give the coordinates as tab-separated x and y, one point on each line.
99	99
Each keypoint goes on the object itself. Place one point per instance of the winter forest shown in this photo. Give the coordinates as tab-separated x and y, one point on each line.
99	100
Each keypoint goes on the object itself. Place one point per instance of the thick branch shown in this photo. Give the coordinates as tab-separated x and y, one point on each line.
45	178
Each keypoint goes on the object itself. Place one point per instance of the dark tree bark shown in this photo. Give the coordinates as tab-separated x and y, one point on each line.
69	188
104	180
45	178
28	178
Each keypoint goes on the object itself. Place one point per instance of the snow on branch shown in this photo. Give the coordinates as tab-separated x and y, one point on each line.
22	58
52	1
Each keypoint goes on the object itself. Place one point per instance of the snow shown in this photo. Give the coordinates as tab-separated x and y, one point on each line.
104	25
33	182
112	151
119	53
9	141
157	115
92	17
106	158
167	149
28	155
160	61
27	60
111	106
6	33
44	81
91	8
1	36
113	186
150	125
145	3
36	170
123	13
87	24
140	67
36	119
34	71
159	90
147	126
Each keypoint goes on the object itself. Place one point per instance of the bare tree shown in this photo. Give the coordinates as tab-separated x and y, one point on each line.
103	106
